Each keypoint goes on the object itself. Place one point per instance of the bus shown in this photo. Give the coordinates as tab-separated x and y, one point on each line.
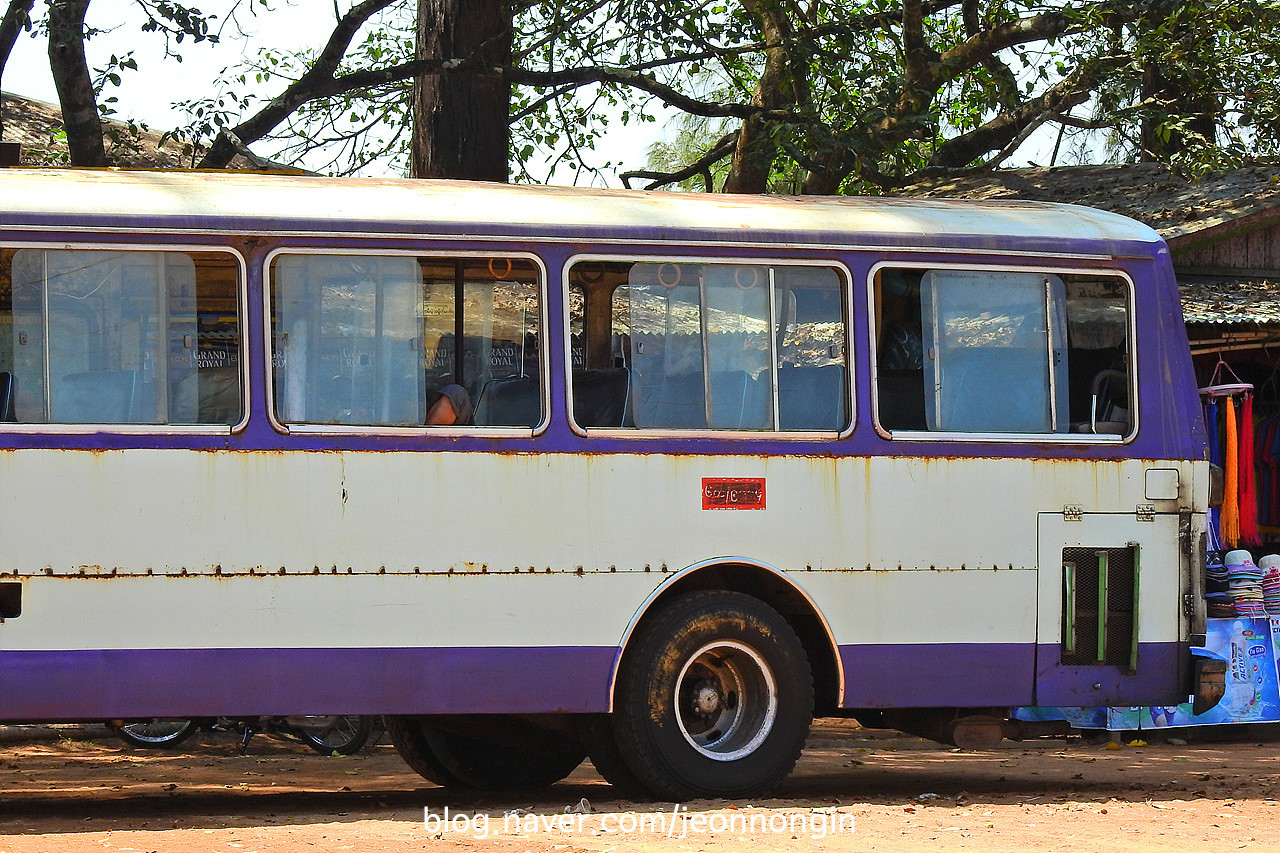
714	465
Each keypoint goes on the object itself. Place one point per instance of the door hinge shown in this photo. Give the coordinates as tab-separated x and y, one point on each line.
1073	512
1146	512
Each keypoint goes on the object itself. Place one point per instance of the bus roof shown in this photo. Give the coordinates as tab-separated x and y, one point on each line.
239	202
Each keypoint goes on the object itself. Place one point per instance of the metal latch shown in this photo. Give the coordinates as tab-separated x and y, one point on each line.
1073	512
1146	512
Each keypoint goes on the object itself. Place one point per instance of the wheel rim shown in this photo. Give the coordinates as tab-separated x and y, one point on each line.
329	731
726	700
157	731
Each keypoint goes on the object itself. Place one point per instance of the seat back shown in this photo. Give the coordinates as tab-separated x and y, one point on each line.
509	401
95	397
600	397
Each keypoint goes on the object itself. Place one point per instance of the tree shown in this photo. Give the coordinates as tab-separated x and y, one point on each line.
863	94
797	95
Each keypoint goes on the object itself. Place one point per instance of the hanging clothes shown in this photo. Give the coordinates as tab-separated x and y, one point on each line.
1245	464
1231	468
1230	458
1215	458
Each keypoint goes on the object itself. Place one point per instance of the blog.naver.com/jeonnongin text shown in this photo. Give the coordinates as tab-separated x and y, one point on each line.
677	822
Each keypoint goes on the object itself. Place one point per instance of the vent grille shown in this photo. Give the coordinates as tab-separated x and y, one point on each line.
1099	606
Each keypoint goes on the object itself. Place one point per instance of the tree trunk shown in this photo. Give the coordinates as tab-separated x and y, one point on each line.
70	70
461	122
782	83
16	17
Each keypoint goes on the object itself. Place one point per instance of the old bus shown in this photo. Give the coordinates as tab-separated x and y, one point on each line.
723	464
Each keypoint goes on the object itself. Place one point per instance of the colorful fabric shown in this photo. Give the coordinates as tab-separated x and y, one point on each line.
1248	495
1231	466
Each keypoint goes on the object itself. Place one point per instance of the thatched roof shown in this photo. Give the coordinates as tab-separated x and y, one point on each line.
37	127
1147	192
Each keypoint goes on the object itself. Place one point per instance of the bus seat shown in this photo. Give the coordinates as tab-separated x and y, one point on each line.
900	400
811	398
670	401
219	396
600	397
95	396
738	401
210	395
509	401
8	390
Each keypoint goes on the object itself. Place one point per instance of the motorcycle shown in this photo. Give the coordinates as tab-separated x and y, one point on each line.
343	734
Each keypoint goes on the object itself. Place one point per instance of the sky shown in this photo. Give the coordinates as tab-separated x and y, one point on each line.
147	95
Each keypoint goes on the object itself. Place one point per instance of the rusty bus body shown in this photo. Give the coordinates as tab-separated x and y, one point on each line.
909	460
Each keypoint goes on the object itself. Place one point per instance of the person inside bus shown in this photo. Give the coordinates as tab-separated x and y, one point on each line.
449	406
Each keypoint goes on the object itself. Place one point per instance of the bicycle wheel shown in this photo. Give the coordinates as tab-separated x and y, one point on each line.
158	733
326	735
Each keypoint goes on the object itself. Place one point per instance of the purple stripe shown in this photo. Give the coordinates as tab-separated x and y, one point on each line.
938	675
1157	680
1002	674
102	684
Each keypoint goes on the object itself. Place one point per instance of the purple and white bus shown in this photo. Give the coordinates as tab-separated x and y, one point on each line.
718	464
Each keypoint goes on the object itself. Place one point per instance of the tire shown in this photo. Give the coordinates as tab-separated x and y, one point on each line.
714	699
485	752
158	733
345	735
407	737
596	732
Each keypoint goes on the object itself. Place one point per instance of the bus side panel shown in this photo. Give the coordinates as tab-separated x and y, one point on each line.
930	637
358	644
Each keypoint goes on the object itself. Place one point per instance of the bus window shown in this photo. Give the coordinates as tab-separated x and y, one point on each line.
120	337
981	351
719	346
369	340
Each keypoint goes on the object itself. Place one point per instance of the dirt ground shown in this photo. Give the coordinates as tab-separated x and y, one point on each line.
854	789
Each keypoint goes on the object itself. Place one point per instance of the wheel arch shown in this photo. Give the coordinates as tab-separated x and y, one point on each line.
771	586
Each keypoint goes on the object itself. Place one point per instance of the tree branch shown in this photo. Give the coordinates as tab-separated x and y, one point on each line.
322	71
722	149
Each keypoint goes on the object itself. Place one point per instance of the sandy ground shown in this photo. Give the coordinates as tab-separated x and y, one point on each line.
853	790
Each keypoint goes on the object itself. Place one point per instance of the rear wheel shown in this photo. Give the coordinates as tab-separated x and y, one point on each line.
596	732
714	699
158	733
406	734
486	752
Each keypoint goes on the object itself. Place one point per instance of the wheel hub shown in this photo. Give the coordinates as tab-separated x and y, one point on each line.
726	700
707	700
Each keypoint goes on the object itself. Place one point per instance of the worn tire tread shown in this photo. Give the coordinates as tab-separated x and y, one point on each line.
655	772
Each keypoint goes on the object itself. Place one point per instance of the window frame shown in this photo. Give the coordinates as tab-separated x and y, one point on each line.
1131	332
544	372
242	353
847	307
